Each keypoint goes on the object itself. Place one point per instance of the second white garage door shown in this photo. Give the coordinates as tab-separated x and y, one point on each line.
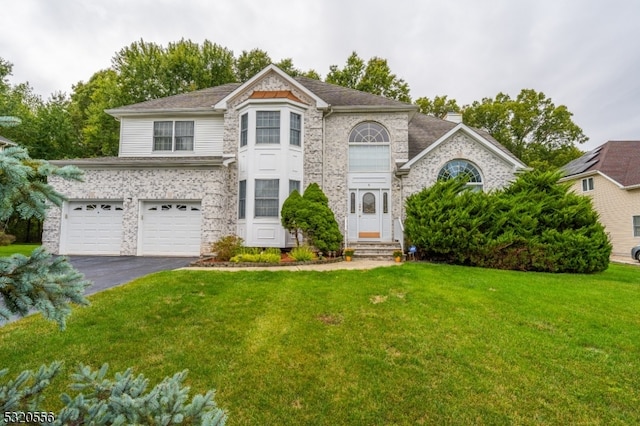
171	228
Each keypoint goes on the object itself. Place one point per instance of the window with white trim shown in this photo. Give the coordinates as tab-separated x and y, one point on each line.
369	148
462	169
295	129
636	226
267	127
294	185
244	129
242	200
267	197
173	135
587	184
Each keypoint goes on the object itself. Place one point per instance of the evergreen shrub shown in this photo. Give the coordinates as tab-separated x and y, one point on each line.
535	224
310	215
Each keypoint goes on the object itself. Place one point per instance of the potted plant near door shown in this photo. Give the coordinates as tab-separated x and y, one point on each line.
397	255
348	254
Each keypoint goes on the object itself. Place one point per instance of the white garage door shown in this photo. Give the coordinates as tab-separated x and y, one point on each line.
171	228
93	227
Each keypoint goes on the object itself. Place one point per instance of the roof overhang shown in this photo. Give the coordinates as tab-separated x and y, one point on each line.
517	165
120	113
223	104
591	173
143	162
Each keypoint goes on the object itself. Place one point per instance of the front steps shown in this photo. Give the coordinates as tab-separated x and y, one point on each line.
374	250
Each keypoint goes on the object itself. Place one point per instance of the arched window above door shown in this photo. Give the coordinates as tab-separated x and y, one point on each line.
369	149
369	132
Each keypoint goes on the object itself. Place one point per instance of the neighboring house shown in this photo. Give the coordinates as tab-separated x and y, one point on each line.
610	175
4	143
195	167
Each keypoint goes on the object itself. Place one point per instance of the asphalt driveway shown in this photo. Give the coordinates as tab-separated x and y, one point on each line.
110	271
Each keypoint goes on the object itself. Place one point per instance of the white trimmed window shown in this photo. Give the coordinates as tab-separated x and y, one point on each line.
463	169
369	148
267	197
244	129
295	128
587	184
294	185
173	135
242	200
636	226
267	127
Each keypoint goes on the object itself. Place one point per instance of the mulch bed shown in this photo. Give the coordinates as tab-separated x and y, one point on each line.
285	260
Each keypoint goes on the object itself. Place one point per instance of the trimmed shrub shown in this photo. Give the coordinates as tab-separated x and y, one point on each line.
535	224
227	247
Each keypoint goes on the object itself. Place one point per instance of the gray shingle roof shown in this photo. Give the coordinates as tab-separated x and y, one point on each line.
339	96
619	160
199	99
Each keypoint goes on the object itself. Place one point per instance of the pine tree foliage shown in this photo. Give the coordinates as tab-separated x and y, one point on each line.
124	400
535	224
24	393
43	282
23	187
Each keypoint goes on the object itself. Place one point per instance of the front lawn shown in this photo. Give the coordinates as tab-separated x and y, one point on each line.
415	344
25	249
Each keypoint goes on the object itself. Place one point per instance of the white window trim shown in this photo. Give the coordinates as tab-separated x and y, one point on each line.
588	184
173	136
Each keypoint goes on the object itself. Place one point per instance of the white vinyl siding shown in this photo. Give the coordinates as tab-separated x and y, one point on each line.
136	137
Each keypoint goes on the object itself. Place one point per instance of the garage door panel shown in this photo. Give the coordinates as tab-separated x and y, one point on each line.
171	228
94	227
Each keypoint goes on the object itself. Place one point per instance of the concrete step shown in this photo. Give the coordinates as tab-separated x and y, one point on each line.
374	250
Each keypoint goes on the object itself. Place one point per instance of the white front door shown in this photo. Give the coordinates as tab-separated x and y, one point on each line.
369	223
365	215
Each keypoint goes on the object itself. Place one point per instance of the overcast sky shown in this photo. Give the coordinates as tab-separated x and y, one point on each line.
584	54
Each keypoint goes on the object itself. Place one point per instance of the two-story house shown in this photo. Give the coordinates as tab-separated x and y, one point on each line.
610	175
195	167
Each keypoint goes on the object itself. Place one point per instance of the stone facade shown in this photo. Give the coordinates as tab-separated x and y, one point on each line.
132	186
496	172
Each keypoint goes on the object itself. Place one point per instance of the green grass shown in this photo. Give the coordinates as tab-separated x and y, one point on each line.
25	249
413	344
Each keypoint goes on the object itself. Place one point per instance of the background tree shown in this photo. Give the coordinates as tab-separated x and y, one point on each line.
251	63
438	107
375	77
531	126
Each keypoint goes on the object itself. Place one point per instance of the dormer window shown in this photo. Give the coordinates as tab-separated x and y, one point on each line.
173	135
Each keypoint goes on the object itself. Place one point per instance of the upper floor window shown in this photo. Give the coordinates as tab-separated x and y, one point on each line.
369	149
173	135
296	126
463	169
244	129
587	184
268	127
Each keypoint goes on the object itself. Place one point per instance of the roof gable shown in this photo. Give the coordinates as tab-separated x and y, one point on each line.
618	160
222	104
427	132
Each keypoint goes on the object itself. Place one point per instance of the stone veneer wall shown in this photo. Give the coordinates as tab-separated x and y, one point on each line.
338	126
495	172
210	186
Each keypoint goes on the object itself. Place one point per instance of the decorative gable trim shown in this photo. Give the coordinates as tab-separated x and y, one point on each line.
222	104
475	136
